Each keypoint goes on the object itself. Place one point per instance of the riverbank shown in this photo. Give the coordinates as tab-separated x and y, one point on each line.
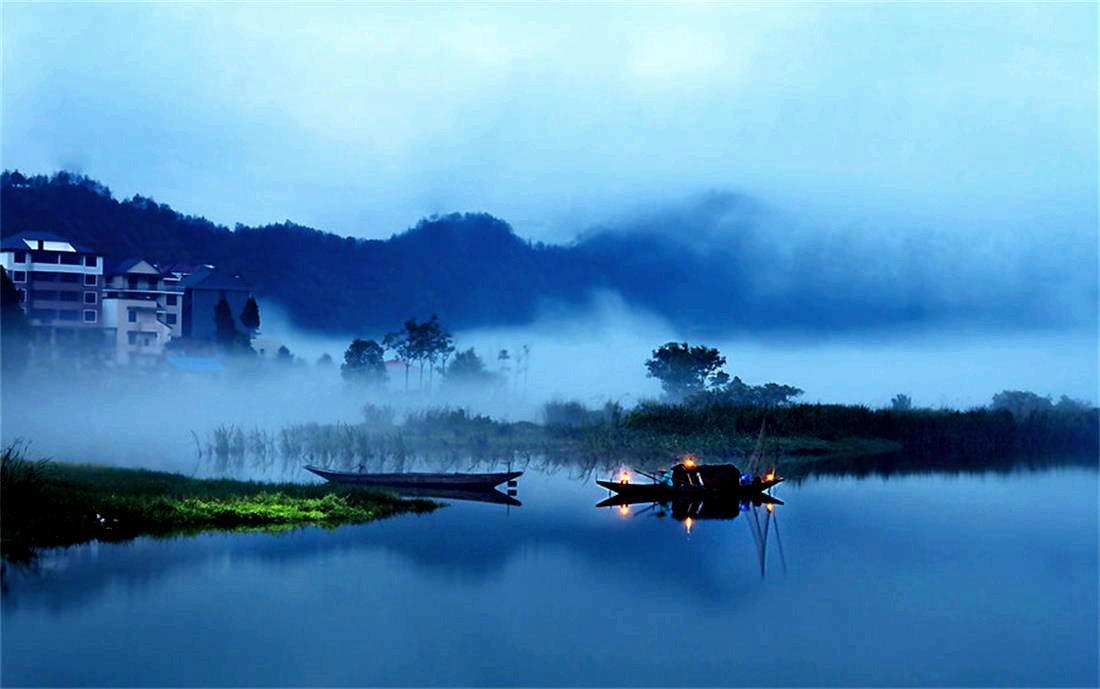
50	504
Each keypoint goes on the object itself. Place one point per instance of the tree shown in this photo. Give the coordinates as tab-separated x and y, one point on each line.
1021	403
226	335
364	363
436	345
250	315
403	346
468	367
225	327
15	329
283	356
901	402
684	370
737	393
325	360
424	343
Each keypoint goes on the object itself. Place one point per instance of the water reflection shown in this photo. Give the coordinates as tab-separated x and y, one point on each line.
690	511
888	574
487	495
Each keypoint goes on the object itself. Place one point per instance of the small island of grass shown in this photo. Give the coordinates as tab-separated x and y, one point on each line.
49	504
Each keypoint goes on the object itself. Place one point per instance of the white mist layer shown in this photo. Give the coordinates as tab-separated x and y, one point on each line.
594	356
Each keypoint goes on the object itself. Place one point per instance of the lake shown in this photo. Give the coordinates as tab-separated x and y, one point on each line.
983	579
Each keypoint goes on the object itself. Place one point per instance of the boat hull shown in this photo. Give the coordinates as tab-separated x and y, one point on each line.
659	492
417	480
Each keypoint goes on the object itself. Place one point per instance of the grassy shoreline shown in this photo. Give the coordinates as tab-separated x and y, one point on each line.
51	504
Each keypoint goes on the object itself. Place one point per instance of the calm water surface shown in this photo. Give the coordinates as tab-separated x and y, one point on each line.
969	580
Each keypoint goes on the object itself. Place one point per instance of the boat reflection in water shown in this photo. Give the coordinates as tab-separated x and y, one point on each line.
489	495
758	510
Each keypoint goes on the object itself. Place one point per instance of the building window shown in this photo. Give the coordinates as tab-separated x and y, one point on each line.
170	300
68	296
89	297
89	261
20	256
132	282
70	278
68	315
132	337
67	259
18	276
89	280
89	315
43	256
45	295
170	319
132	315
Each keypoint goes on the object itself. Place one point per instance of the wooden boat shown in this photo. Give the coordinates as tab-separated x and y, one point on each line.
659	492
417	480
690	480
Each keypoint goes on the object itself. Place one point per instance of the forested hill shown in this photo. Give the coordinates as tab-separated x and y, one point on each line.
713	269
470	269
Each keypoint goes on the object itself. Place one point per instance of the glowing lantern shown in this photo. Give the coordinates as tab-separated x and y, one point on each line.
625	478
689	462
771	507
771	476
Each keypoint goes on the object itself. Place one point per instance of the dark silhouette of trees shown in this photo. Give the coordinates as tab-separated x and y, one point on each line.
325	360
15	329
228	338
683	369
250	315
468	368
901	402
225	327
737	393
364	363
1020	403
422	343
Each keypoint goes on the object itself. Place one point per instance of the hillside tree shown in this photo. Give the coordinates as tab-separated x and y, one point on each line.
684	370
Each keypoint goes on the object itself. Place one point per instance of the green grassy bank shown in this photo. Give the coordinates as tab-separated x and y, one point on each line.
47	504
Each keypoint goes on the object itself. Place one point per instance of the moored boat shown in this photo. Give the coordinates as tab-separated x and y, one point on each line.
417	479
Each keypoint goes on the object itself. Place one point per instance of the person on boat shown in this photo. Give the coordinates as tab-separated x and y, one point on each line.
665	478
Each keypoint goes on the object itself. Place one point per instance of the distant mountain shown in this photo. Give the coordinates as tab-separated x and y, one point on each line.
471	269
712	267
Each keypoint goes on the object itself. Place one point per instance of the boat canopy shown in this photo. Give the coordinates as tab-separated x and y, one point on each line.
706	475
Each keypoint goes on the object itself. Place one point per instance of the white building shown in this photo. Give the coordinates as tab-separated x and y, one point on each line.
141	312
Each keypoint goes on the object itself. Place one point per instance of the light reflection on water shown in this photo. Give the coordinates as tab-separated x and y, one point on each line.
921	580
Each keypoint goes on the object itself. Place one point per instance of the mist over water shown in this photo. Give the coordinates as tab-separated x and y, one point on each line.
593	356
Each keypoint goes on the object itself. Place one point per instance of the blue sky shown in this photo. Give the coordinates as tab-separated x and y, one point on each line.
361	118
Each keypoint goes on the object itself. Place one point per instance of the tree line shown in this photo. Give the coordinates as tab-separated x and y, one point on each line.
425	345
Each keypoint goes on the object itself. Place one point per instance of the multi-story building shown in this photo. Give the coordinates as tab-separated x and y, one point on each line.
141	310
61	285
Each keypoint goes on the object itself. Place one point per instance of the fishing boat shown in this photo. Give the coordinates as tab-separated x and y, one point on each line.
658	490
690	479
417	480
